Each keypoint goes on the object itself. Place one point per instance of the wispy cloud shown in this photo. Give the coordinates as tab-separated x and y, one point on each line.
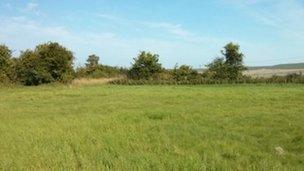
13	25
106	44
176	30
31	7
285	16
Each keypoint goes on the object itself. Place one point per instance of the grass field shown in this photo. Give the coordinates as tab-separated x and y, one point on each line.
227	127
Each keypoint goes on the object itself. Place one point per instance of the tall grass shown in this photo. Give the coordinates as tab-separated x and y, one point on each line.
93	127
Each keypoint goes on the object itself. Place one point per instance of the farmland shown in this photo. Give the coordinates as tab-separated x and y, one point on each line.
219	127
278	70
267	73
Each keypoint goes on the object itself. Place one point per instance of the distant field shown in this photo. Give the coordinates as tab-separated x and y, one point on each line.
279	70
227	127
271	72
281	66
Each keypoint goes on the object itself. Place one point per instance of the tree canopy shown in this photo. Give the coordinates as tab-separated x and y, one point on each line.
49	62
234	61
92	61
228	67
5	57
145	66
184	73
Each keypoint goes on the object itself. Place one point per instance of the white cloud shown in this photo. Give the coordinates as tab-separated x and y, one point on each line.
31	8
22	33
284	16
173	29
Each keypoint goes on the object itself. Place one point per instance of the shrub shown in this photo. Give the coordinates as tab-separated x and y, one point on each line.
5	63
184	73
146	66
228	68
31	71
56	60
48	63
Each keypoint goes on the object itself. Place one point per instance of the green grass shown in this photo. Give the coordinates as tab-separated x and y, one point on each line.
227	127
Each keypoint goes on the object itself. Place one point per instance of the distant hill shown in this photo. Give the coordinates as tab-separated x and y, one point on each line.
279	70
269	71
280	66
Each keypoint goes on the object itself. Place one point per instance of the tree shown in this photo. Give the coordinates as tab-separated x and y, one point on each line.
145	66
92	61
56	60
31	69
217	69
5	62
92	65
230	67
184	73
48	63
234	61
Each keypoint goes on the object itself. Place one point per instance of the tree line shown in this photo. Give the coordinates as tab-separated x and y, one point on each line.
51	62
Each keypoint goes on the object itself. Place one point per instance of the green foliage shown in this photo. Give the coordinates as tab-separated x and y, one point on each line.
146	66
230	67
184	73
234	61
31	69
5	63
51	62
92	67
101	71
152	127
95	70
217	70
92	61
5	57
56	60
48	63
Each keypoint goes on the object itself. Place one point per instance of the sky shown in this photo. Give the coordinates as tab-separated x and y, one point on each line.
190	32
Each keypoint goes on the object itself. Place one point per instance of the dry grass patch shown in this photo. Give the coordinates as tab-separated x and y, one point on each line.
92	81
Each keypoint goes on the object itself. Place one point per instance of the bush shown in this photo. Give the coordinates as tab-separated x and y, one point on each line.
101	71
56	60
145	66
5	64
184	73
48	63
228	68
93	69
52	62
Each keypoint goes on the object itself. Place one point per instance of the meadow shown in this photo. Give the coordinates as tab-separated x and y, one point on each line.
108	127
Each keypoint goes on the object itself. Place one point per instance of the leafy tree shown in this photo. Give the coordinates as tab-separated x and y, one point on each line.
31	69
48	63
92	61
184	73
217	69
5	62
230	67
145	66
13	71
92	66
56	60
234	61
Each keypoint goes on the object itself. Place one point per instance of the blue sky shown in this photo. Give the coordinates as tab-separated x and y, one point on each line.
188	32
